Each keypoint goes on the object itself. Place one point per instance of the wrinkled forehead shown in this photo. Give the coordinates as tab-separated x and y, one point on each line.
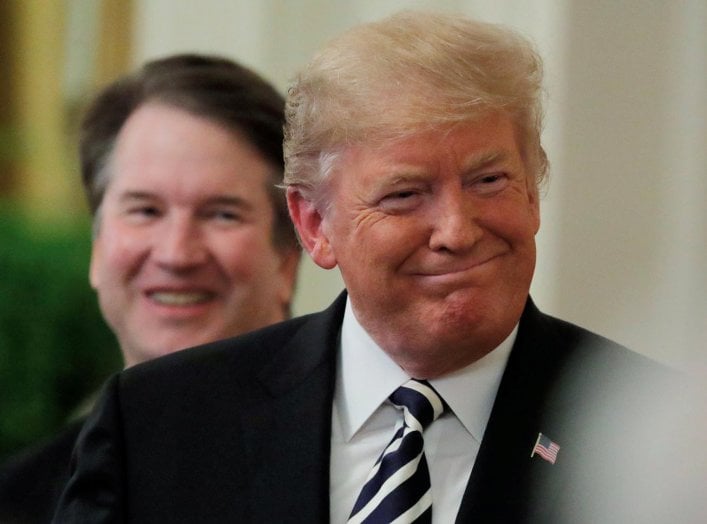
385	141
489	139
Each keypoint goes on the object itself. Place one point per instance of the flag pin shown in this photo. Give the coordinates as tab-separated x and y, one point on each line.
545	449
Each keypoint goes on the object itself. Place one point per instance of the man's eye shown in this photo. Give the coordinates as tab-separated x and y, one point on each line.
224	215
491	179
145	211
491	182
400	201
401	195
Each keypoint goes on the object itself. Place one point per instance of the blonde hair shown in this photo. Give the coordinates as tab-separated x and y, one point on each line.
412	71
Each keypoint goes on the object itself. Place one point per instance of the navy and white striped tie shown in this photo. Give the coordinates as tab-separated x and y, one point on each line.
398	488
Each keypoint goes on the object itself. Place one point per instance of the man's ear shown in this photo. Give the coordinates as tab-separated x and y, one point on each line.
309	224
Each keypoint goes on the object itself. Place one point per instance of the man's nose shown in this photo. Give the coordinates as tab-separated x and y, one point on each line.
454	224
179	245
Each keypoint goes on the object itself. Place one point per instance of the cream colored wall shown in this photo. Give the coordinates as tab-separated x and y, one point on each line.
53	54
622	246
39	120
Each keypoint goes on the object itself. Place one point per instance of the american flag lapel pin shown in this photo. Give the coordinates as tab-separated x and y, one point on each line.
545	449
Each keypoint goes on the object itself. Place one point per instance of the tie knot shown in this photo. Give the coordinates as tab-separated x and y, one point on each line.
420	402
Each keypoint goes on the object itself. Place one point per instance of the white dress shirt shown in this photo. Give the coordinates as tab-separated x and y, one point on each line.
364	421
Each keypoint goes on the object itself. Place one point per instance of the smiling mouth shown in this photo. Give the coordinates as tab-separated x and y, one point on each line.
451	271
176	298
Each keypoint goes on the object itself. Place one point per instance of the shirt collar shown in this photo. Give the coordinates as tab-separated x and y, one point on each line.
366	376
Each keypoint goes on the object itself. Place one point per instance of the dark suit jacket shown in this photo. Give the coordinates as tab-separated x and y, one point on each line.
239	430
32	481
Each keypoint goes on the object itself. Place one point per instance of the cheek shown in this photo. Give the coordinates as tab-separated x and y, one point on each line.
244	256
515	222
96	265
381	249
401	237
528	226
114	253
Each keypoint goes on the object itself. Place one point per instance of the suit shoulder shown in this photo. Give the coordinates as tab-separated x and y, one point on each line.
586	359
32	480
52	453
248	366
245	353
604	373
575	338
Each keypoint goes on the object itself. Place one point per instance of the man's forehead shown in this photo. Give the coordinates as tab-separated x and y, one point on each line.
473	143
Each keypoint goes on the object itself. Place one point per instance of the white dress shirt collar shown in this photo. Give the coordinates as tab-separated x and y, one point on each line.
366	376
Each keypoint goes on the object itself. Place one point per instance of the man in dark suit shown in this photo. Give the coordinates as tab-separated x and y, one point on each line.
413	163
192	242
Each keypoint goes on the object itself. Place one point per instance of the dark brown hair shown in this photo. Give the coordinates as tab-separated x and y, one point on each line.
212	87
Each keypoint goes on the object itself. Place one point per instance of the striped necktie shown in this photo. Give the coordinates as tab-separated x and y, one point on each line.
398	488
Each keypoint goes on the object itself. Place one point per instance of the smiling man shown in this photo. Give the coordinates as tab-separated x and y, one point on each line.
192	240
185	251
433	389
434	236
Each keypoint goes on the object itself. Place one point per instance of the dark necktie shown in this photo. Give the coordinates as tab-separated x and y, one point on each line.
398	488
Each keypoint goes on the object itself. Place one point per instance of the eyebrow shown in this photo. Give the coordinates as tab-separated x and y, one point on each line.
473	163
223	200
229	200
485	159
127	197
392	181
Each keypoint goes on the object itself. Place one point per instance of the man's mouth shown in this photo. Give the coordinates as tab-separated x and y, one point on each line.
180	298
457	269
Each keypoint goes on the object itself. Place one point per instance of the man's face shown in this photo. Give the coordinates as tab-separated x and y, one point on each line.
435	239
183	254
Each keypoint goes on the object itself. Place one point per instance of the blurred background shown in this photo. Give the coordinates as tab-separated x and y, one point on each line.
622	247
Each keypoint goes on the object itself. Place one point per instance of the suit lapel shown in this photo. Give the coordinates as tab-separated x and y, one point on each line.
504	472
291	424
